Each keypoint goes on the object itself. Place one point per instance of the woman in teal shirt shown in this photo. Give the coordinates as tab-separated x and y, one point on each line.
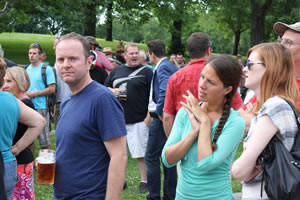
12	111
205	136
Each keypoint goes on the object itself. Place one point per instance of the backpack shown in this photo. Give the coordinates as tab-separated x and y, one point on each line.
51	99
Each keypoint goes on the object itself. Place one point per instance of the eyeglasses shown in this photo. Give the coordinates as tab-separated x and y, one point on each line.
249	64
288	43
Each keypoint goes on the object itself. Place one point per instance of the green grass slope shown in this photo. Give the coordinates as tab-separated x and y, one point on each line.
15	45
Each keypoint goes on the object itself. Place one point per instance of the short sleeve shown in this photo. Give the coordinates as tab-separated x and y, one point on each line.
110	117
50	75
283	118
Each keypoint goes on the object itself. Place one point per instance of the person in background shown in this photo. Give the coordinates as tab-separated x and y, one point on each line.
114	61
173	59
267	63
157	138
38	91
239	59
120	48
16	81
206	135
12	112
90	135
143	58
97	73
134	80
108	52
180	60
102	60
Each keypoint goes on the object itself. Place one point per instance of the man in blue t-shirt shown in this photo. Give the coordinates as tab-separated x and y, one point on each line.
38	91
91	153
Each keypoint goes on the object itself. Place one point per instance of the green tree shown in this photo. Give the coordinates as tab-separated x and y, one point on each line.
175	14
232	16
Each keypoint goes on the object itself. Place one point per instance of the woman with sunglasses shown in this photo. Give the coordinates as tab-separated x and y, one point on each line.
270	74
205	135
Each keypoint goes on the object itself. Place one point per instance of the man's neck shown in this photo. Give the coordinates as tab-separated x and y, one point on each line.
35	64
80	86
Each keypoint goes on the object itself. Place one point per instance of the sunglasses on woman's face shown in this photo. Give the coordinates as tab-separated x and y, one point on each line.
249	64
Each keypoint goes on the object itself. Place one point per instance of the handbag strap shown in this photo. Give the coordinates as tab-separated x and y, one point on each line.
295	113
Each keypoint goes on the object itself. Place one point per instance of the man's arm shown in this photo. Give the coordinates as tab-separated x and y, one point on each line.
47	91
116	148
168	120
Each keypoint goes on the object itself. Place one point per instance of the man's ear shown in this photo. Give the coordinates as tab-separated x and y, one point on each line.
90	61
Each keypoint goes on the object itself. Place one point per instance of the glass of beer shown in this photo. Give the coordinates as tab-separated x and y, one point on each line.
45	167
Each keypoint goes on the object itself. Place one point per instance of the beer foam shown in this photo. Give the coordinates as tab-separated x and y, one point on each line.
43	160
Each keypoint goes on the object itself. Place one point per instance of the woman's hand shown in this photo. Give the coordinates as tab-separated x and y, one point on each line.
192	105
195	124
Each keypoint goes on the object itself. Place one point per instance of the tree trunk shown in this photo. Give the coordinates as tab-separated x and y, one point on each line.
90	19
109	21
176	31
237	36
258	13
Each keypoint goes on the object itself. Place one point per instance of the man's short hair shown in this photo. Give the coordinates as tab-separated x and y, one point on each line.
75	36
280	27
36	46
130	45
157	47
197	44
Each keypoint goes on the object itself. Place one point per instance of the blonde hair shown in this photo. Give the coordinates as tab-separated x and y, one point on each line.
279	77
2	70
21	77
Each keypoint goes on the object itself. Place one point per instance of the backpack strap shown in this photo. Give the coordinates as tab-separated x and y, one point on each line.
44	77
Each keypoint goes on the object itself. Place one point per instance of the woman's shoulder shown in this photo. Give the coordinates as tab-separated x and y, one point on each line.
275	105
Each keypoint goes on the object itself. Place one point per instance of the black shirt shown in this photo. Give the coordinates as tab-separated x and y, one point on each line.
138	90
26	155
98	74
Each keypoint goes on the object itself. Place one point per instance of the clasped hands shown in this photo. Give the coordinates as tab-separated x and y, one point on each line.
198	117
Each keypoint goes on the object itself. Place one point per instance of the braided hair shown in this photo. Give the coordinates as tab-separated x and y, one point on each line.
229	72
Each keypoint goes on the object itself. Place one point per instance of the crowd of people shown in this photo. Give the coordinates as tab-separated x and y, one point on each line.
188	117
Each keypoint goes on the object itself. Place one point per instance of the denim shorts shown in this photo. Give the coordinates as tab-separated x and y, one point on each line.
10	177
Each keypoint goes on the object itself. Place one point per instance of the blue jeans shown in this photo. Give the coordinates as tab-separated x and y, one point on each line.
10	177
156	142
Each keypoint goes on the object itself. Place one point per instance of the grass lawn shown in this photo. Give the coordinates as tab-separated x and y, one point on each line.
15	45
132	176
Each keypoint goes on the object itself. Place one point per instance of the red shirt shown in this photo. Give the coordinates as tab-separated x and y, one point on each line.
185	79
253	99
